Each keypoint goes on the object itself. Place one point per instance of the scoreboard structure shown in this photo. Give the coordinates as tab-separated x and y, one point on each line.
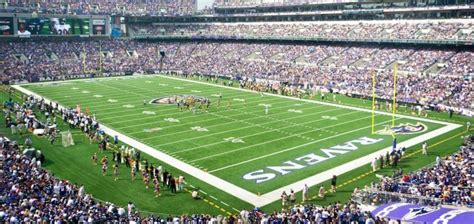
30	24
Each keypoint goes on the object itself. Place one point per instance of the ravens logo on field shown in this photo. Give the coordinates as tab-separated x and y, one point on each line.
404	129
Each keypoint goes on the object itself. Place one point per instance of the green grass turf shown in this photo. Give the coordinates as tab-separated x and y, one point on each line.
72	164
273	138
450	144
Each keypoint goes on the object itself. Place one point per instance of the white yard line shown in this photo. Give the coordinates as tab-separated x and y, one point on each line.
221	184
311	101
171	109
356	163
288	149
231	130
272	196
284	150
289	135
219	124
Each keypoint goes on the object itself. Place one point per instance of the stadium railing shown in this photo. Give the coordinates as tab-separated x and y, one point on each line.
315	39
374	197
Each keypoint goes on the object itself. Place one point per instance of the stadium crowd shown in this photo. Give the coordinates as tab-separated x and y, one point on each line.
393	30
31	194
449	180
430	77
103	7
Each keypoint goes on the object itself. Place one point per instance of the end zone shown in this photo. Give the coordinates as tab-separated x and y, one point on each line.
274	195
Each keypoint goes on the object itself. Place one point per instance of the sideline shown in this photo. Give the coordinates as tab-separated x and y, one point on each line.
274	195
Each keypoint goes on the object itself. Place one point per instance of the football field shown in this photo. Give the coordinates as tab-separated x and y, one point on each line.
251	145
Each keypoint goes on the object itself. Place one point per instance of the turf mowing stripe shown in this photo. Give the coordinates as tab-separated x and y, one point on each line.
356	163
219	111
258	133
127	99
311	101
160	111
285	150
219	124
228	147
232	130
207	126
74	97
208	178
114	111
251	118
269	129
141	100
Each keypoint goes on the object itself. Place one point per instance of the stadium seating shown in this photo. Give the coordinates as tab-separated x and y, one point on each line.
345	69
283	47
104	7
387	30
40	197
448	182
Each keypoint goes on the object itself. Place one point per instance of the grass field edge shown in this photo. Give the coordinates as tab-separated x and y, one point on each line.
354	164
217	182
231	188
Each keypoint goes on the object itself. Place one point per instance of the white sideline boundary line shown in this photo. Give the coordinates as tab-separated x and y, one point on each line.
310	101
245	127
288	149
276	140
361	161
223	185
274	195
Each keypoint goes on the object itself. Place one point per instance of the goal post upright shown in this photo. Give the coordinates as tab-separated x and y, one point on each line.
394	100
374	81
